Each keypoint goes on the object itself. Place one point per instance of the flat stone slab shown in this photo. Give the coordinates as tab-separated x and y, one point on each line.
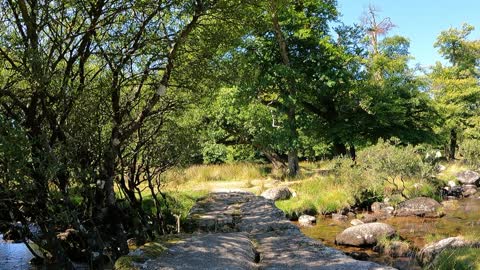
230	251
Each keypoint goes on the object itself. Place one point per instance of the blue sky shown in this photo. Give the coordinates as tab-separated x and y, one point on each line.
419	20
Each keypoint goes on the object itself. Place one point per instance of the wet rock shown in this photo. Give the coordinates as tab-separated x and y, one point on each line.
365	234
421	206
306	220
469	190
277	193
427	254
362	256
339	217
455	191
369	218
468	177
356	222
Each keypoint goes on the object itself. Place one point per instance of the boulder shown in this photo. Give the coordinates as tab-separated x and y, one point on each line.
468	177
369	218
450	205
428	253
306	220
382	208
469	190
356	222
364	234
277	193
421	206
453	191
440	168
339	217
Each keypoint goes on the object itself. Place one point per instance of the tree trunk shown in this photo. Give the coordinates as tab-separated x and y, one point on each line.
292	125
278	163
353	152
340	149
293	166
453	144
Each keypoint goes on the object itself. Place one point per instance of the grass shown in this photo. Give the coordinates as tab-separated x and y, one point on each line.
458	259
318	195
220	172
452	168
394	247
148	251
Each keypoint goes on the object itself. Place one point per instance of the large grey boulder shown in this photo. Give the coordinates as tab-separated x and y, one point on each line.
427	254
277	193
365	234
468	177
421	206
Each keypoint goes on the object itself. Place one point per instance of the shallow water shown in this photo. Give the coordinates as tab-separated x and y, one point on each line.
17	256
14	256
463	220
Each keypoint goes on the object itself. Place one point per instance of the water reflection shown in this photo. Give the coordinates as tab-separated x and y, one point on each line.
461	219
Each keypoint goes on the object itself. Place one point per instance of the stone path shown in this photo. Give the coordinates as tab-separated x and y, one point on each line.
239	230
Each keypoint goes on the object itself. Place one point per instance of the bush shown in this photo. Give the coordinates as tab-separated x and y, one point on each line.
402	169
470	150
214	153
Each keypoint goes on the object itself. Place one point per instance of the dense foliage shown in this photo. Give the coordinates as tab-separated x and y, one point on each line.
99	98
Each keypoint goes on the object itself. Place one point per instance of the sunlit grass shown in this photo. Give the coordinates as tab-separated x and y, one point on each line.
452	168
320	195
458	259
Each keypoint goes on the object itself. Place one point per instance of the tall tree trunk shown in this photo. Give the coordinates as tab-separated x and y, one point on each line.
293	166
353	152
453	144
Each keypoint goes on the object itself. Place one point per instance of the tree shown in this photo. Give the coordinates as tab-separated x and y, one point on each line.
93	87
285	51
455	87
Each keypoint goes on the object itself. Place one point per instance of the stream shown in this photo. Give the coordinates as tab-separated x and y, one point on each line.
462	218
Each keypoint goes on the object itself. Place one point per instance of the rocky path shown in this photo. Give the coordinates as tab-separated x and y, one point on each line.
239	230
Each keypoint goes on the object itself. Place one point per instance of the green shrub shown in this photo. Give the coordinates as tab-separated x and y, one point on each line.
214	153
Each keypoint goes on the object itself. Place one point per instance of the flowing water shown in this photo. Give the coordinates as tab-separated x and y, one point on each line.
462	217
